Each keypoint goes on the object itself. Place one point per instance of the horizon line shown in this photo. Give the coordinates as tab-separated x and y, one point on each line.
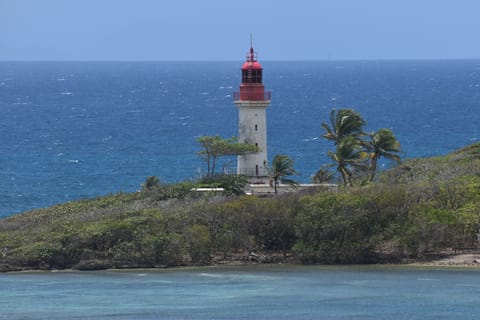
266	60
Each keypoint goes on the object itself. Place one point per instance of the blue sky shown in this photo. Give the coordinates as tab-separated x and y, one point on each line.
219	29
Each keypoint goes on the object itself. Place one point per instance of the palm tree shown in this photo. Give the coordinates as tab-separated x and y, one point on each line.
382	143
343	123
346	130
323	175
349	154
282	166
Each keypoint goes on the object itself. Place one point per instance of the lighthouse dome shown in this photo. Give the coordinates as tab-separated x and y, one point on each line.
252	65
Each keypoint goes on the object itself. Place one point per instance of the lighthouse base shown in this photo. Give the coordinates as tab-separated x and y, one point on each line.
253	167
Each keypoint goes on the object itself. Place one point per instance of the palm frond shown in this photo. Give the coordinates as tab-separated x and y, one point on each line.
393	157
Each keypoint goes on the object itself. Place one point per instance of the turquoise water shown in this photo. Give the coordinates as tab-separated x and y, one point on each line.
278	292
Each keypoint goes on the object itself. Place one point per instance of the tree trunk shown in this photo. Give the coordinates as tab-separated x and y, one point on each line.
374	166
344	177
214	158
208	164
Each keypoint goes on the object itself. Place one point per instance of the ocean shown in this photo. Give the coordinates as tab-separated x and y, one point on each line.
73	130
248	292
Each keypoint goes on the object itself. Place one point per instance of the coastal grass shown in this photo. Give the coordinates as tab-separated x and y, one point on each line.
422	207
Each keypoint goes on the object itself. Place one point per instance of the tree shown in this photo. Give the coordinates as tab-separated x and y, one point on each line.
343	123
216	146
349	154
346	131
323	175
282	166
382	143
151	183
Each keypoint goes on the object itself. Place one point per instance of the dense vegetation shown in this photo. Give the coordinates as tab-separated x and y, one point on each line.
421	207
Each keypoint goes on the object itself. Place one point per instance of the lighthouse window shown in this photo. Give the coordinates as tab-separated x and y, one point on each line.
256	76
251	76
256	127
256	144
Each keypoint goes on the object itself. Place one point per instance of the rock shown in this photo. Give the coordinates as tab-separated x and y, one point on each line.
258	258
88	265
4	267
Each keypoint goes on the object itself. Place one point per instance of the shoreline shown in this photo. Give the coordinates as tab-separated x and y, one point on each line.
470	260
467	261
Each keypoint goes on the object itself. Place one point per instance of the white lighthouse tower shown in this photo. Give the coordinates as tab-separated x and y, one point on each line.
252	101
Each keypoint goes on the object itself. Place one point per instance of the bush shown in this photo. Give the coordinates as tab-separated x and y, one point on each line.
233	184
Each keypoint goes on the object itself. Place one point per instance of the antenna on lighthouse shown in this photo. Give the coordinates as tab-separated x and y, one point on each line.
251	56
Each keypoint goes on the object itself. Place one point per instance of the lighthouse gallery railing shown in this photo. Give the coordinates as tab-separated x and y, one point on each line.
267	95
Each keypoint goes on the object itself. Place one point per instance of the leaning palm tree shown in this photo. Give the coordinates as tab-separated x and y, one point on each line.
282	166
382	143
343	123
349	155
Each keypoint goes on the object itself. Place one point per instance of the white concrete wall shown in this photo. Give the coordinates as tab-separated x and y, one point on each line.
267	189
252	128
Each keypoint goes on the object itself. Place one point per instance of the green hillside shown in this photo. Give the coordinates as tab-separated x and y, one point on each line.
422	207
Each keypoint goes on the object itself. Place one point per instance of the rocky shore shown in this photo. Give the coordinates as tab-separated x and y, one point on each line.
460	260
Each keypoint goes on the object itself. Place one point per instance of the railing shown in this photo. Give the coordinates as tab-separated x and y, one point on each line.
252	96
253	172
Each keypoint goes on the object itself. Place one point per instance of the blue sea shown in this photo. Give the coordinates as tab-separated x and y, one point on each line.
266	293
72	130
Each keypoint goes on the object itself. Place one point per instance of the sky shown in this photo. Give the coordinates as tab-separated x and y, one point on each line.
217	30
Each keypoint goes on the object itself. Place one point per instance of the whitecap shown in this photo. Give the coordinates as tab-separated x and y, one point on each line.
73	161
61	79
228	96
203	93
66	93
427	279
311	139
211	275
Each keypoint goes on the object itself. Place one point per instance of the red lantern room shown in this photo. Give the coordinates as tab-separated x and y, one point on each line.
252	88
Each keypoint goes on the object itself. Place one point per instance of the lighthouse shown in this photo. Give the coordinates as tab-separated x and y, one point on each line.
252	101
